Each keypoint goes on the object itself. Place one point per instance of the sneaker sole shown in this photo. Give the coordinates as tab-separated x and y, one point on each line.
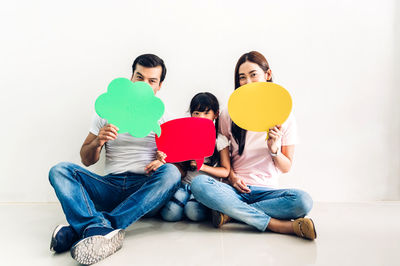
96	248
53	241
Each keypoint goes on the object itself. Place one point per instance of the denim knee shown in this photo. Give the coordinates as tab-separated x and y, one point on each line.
172	212
195	211
304	203
171	175
57	172
199	184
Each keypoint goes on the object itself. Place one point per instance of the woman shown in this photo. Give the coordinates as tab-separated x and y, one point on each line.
251	195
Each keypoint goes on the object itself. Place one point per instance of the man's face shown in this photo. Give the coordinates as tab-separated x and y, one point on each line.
150	75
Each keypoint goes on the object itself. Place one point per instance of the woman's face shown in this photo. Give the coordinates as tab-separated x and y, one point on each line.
251	72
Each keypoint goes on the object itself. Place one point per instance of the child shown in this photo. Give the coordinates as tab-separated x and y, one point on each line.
204	105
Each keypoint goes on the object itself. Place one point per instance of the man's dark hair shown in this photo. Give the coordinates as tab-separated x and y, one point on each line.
150	60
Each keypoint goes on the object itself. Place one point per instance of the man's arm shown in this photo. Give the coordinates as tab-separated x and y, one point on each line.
90	151
91	147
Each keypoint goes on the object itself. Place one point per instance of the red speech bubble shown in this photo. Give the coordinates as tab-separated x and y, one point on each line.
189	138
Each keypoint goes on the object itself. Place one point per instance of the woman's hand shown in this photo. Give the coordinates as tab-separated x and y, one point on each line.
274	136
238	183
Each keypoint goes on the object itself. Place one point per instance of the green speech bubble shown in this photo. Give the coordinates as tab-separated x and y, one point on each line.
131	106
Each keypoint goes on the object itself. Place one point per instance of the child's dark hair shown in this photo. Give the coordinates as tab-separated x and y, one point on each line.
205	101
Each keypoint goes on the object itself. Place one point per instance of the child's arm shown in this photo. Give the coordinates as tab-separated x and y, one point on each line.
220	171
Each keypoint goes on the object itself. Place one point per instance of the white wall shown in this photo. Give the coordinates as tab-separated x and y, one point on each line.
339	59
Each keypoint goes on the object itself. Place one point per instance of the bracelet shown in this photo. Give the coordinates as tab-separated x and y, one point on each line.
278	152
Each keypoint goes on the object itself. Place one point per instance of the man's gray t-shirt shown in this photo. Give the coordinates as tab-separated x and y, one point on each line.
126	153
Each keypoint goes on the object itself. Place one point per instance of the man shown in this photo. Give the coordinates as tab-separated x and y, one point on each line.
98	208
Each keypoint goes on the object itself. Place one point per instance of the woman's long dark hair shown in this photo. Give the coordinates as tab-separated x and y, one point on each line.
205	101
238	133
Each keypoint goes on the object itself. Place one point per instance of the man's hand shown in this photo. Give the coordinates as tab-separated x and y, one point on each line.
153	166
238	183
106	133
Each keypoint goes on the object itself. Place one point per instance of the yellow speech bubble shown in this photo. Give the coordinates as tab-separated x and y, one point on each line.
259	106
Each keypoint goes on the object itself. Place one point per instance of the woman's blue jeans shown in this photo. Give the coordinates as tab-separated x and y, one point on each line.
112	201
255	208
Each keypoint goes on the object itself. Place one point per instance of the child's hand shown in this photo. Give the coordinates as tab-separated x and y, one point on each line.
161	156
193	166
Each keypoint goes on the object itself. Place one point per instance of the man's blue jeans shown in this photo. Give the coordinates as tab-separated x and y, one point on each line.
255	208
112	201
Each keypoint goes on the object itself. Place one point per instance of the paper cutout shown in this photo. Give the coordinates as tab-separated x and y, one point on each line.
259	106
131	106
189	138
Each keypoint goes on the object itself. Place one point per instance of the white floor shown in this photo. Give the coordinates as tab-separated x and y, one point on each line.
348	234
